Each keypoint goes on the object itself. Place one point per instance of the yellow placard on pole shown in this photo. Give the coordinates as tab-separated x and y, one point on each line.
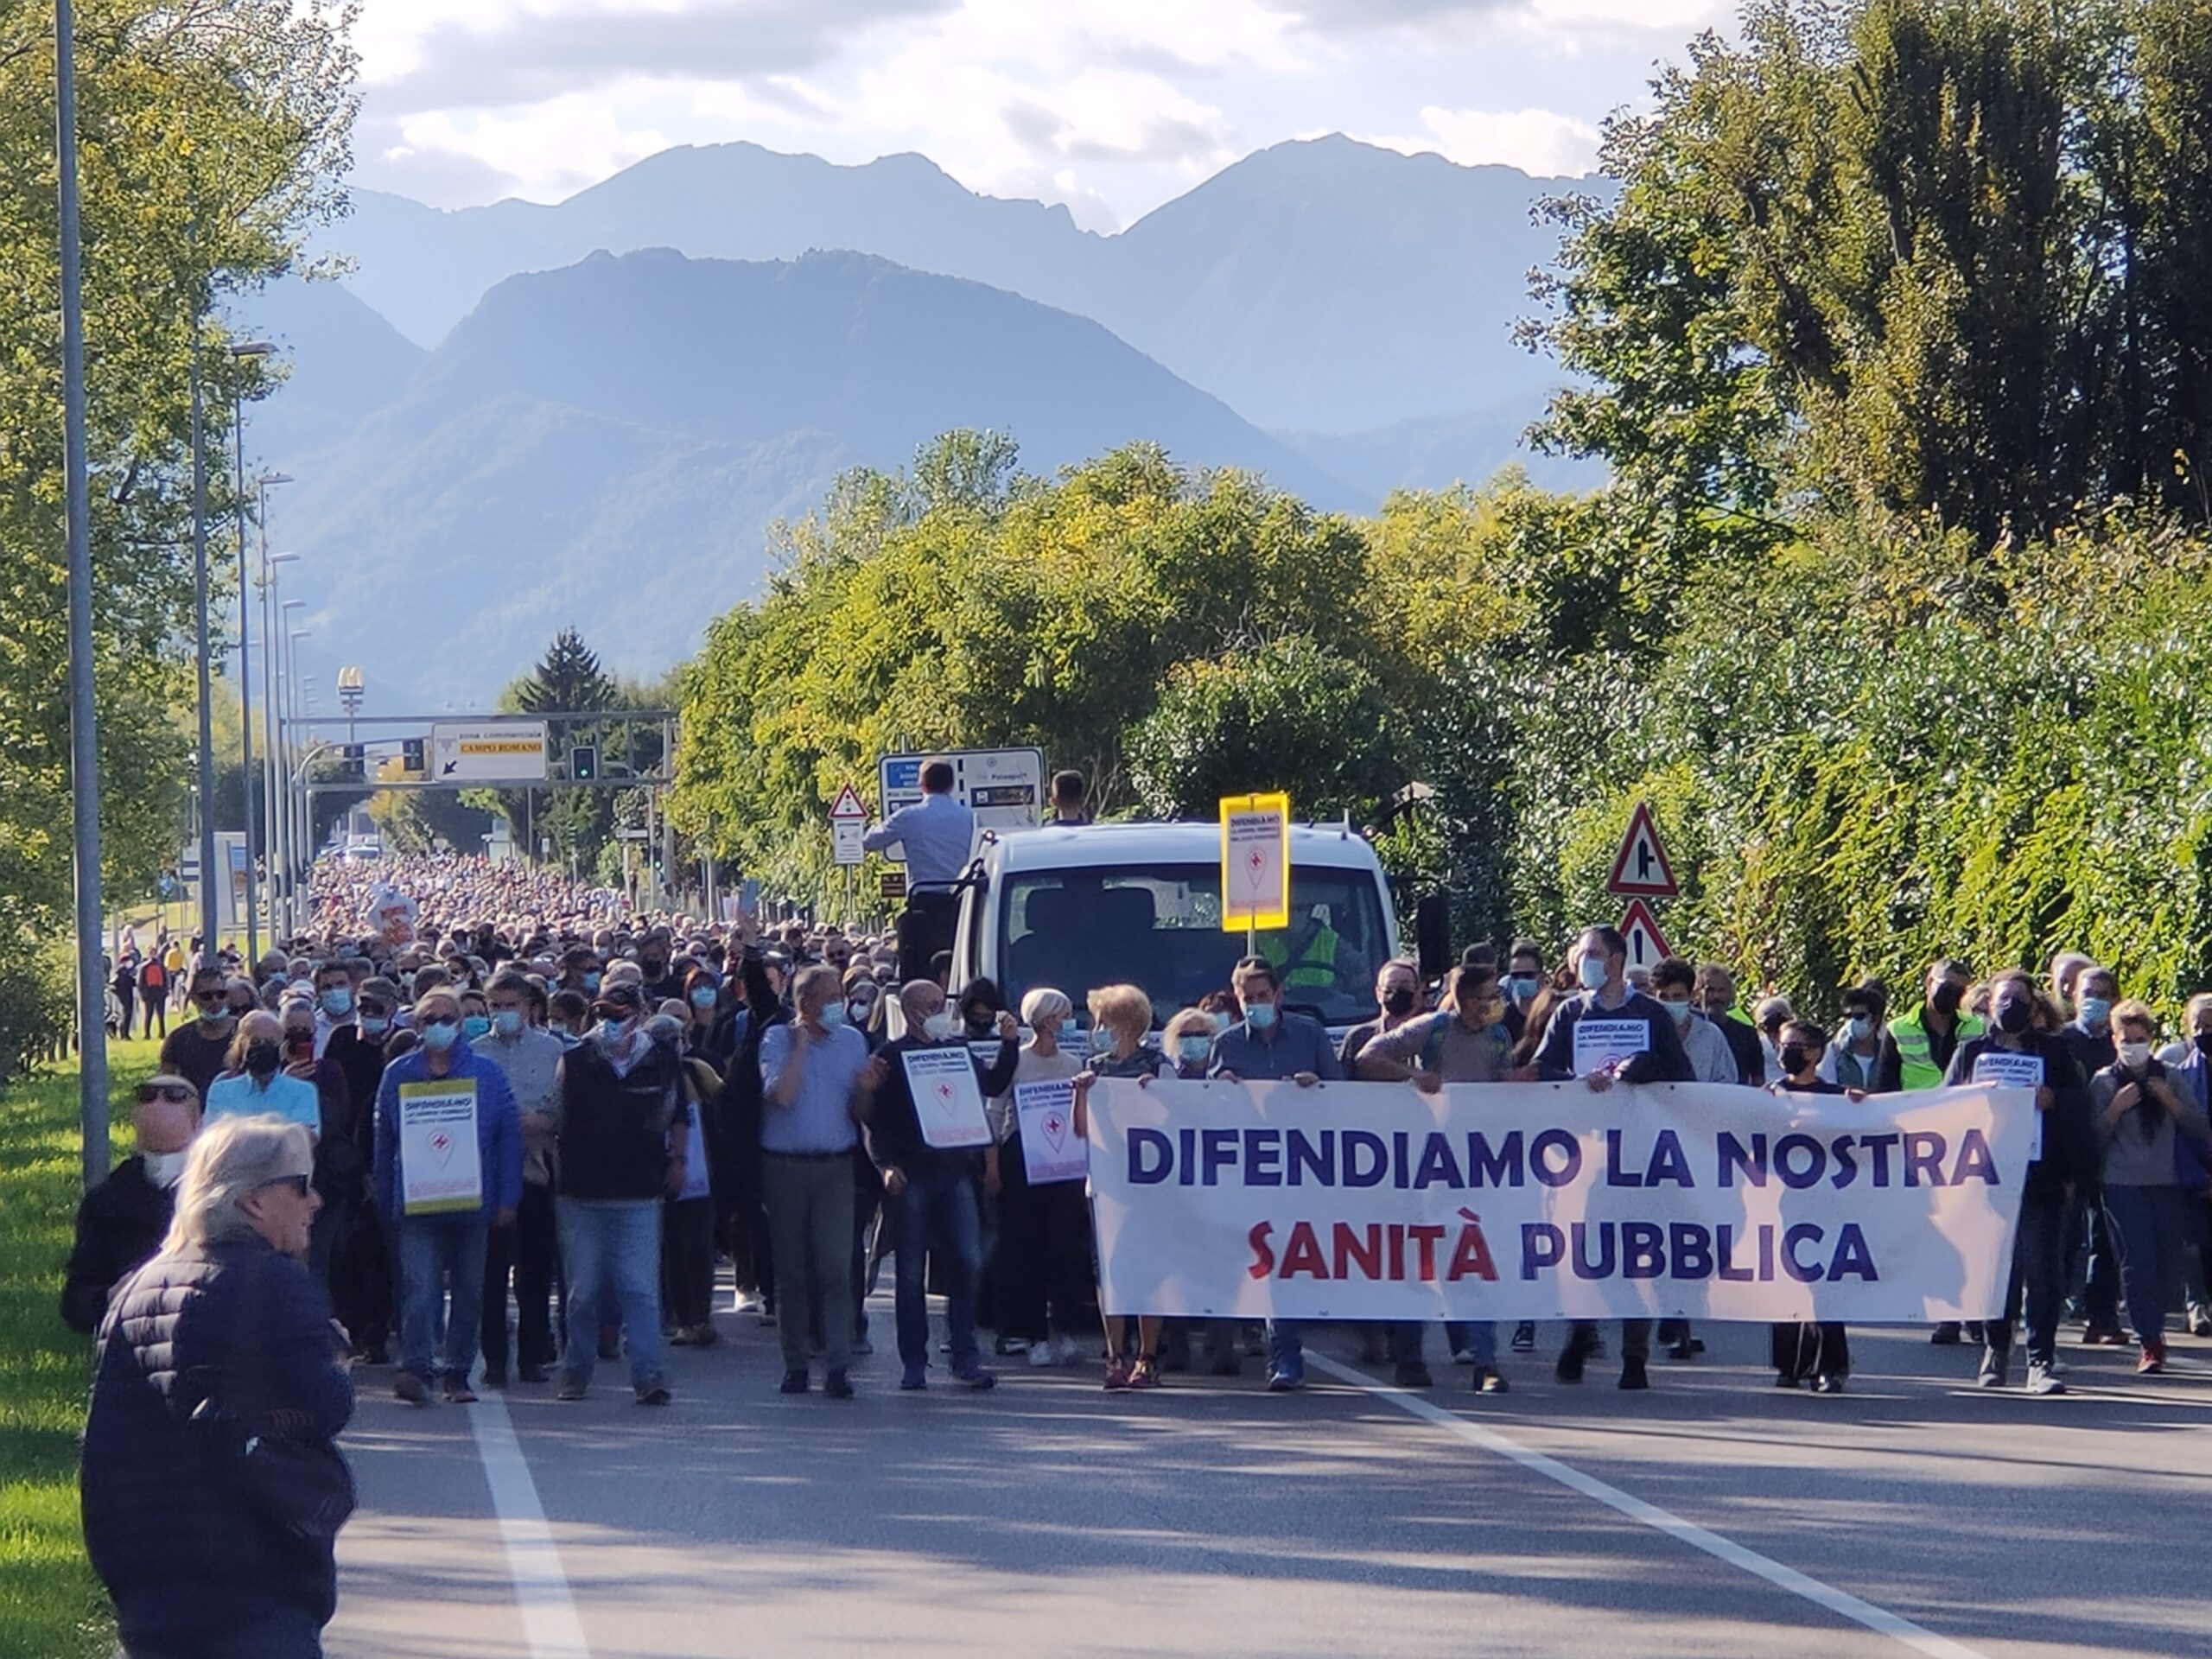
1255	862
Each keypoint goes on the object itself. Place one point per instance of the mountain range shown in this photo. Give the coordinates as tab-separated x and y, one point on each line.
590	412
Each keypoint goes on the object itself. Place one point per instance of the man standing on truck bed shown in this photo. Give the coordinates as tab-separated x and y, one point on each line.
939	832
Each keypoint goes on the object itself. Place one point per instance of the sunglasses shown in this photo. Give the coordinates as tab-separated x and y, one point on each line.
211	1002
297	1183
149	1092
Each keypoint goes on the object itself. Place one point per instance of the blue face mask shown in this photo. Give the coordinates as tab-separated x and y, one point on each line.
833	1016
1102	1041
338	1003
476	1025
1592	972
703	997
439	1035
591	980
508	1022
613	1033
1524	987
1069	1034
1221	1023
1261	1016
374	1025
2095	1010
1193	1050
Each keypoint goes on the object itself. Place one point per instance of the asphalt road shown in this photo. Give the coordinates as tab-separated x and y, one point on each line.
1714	1515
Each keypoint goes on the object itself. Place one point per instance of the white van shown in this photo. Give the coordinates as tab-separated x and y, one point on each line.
1140	904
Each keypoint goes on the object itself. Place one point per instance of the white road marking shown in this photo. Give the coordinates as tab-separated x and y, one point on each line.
1840	1602
549	1626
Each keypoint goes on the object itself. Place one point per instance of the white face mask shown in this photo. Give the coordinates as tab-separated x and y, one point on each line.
939	1026
2135	1056
165	1168
1681	1010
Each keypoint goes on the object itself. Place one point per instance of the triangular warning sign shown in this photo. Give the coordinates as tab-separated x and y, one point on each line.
847	806
1640	867
1647	945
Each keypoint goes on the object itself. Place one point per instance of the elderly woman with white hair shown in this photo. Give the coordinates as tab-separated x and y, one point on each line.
1043	1240
212	1490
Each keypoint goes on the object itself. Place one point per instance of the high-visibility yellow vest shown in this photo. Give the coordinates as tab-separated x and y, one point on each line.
1917	1067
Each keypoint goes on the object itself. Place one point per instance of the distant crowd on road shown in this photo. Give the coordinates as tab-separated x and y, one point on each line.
649	1097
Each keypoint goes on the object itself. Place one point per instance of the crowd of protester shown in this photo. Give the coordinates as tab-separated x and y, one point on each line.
655	1097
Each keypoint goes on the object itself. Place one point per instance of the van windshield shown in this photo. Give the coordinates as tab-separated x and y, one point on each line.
1159	926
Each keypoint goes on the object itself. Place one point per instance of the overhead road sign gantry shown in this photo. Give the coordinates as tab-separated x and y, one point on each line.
488	752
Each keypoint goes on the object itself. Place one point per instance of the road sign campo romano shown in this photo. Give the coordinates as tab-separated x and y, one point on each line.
488	752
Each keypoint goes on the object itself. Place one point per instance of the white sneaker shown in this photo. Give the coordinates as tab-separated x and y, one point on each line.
1068	1351
2040	1381
1040	1354
748	1301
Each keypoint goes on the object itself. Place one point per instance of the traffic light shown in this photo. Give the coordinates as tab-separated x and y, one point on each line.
583	763
411	757
356	759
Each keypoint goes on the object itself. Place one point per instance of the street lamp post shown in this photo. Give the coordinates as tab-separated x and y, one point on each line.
285	666
256	348
273	795
206	755
304	841
83	747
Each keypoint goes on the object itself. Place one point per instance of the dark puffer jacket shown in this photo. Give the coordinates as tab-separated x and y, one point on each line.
173	1528
119	1225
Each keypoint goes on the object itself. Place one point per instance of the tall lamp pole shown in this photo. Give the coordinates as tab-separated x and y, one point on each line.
281	645
273	792
84	747
256	348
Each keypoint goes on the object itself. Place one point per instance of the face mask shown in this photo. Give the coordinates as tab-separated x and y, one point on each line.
1069	1034
1193	1051
1679	1009
1591	972
1861	1026
163	1168
439	1035
2015	1016
591	980
476	1025
2204	1043
2135	1056
1221	1022
833	1016
1946	998
1524	987
1261	1016
508	1023
1102	1041
213	1016
703	998
1795	1057
375	1025
939	1026
263	1059
1398	1000
613	1033
337	1004
2095	1010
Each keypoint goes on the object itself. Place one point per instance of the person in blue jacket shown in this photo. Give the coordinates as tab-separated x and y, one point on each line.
442	1248
212	1488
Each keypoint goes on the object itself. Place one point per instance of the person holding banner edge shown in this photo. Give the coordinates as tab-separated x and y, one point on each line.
1609	1034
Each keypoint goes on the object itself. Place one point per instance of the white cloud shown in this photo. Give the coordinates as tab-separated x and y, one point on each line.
550	150
1541	143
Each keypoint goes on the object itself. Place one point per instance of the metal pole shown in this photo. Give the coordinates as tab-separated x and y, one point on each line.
245	686
84	747
208	873
273	795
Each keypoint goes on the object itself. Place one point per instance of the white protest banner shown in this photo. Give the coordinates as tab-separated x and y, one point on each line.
1049	1149
948	1102
1598	1043
1548	1201
439	1169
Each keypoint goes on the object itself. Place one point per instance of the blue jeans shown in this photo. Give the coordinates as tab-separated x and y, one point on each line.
1287	1348
1476	1336
2152	1225
2038	1291
438	1253
612	1242
937	1212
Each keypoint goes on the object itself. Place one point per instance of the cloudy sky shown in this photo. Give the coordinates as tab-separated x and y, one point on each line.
1110	105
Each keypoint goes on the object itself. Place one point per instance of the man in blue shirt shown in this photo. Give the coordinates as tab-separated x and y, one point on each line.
937	833
1273	1045
816	1076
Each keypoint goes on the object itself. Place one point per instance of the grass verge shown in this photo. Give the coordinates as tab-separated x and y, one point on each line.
51	1606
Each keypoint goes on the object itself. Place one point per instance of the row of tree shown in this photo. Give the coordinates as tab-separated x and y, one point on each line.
212	138
1891	338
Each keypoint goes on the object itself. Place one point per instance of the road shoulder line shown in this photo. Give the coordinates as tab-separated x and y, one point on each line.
1839	1601
549	1626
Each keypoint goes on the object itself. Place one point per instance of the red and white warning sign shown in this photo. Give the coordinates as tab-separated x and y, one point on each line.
1640	867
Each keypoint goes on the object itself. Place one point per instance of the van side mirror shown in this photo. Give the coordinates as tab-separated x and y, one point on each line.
1432	935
